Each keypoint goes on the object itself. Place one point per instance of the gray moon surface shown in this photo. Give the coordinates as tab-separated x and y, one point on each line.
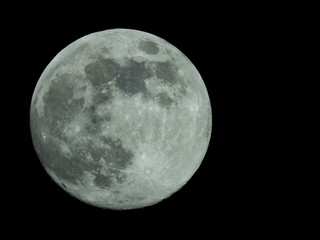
120	119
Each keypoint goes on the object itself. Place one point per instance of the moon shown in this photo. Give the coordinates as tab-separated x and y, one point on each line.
120	119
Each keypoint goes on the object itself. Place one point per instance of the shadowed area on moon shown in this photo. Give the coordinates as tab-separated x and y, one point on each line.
149	47
71	163
130	79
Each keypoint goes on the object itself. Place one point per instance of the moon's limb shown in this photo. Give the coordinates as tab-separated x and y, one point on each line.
120	119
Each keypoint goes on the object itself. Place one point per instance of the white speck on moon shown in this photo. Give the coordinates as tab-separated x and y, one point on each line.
121	119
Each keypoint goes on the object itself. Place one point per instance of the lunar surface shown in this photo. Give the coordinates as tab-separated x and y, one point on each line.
120	119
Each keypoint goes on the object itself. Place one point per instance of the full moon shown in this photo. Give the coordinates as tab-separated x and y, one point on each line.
120	119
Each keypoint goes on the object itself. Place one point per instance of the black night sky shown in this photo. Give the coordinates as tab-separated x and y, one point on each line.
221	192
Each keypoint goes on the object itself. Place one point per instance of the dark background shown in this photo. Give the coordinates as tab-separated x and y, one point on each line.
223	196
